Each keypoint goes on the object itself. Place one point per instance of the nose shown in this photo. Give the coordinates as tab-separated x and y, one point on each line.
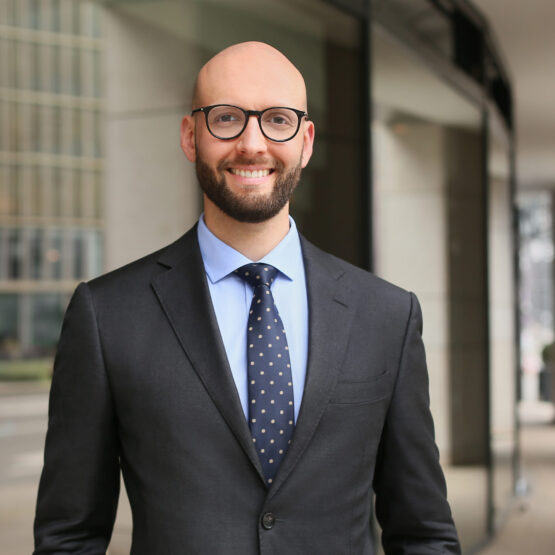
252	141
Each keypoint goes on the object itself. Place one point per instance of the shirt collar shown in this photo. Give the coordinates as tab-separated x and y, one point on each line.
220	259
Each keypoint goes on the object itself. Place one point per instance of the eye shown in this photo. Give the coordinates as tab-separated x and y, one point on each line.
224	116
280	117
279	120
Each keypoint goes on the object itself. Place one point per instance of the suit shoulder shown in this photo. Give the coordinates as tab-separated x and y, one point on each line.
356	277
140	272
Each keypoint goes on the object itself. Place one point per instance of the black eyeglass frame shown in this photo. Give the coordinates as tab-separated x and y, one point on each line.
248	113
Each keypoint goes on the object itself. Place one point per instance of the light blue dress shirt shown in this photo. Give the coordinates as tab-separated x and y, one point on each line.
231	298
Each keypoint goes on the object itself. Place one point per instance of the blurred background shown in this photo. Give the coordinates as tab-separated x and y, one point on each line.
434	167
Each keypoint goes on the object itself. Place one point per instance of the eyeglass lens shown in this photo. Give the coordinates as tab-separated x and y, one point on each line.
279	124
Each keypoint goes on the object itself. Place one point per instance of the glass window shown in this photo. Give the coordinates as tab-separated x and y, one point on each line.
35	127
427	18
3	62
35	79
11	123
4	140
65	70
76	88
35	196
24	65
9	323
96	21
76	17
97	134
94	254
8	190
33	11
4	232
502	320
78	137
89	131
78	255
36	249
537	270
67	191
8	11
97	74
15	252
26	127
98	211
58	69
56	188
77	195
47	315
53	254
48	68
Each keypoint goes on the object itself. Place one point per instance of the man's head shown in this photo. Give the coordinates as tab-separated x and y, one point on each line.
250	177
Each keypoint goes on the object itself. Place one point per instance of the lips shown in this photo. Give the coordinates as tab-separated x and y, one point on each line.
250	173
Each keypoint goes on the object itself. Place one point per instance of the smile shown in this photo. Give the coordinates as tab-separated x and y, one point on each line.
250	173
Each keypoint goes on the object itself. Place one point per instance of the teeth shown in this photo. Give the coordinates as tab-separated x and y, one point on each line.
249	173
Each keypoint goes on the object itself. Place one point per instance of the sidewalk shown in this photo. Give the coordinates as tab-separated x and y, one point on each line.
530	527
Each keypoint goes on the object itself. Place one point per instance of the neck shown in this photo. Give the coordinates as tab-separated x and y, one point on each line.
253	240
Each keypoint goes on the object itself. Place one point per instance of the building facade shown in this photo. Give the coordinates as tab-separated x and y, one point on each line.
51	166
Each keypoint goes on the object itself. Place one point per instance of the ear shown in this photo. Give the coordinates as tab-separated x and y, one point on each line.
308	141
188	137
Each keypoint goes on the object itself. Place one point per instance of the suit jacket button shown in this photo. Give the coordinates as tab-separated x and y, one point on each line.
268	520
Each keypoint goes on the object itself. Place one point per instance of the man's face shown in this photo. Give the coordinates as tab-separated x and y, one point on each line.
249	178
248	187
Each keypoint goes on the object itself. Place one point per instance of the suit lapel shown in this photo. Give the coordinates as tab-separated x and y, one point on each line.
185	298
330	317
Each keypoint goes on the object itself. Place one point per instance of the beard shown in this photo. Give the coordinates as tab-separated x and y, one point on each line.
249	208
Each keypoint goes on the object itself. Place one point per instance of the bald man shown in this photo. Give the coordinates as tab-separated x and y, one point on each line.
253	390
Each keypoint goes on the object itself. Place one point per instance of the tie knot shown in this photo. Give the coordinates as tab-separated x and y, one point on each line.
256	274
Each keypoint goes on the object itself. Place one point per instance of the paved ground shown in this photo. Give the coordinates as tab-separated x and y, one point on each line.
529	528
23	417
23	409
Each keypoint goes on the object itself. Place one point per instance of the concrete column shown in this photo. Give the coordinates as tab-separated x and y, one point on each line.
410	229
150	196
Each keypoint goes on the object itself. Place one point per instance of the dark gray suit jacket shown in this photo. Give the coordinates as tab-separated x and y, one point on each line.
142	383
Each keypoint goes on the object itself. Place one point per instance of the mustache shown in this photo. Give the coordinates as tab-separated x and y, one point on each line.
244	161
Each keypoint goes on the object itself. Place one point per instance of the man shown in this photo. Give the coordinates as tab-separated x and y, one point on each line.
252	407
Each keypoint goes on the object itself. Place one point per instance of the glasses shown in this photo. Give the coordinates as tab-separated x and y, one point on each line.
226	122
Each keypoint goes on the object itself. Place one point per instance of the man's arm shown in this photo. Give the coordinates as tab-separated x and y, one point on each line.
79	486
411	503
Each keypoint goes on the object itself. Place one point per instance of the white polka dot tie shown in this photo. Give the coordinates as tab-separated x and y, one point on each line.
271	413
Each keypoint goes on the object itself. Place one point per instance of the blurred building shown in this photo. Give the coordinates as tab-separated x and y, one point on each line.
51	166
412	177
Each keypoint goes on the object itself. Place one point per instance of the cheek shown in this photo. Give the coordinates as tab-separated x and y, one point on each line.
212	151
289	154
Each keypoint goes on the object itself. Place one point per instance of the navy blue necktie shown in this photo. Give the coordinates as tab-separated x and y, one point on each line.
271	410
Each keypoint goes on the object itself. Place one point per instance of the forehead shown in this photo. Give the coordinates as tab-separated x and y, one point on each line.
253	79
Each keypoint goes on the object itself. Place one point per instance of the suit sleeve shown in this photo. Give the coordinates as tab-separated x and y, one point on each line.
411	504
79	486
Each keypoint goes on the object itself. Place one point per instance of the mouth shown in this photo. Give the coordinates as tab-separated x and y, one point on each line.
250	173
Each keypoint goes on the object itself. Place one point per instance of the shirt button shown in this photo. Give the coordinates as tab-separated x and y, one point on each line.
268	521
